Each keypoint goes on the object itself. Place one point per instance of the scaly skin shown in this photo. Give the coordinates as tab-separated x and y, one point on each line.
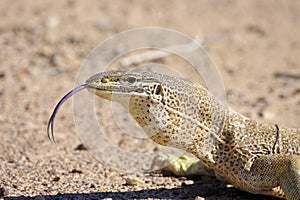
255	157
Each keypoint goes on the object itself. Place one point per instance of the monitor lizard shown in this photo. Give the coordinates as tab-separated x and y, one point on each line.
255	157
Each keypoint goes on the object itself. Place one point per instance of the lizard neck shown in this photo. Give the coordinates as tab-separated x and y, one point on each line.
181	120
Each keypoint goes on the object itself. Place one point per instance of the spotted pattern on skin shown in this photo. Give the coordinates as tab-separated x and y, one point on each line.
169	117
248	154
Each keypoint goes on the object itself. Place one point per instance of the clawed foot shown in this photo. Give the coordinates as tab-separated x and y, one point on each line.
182	166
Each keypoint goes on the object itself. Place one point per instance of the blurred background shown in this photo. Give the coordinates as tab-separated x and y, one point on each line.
254	44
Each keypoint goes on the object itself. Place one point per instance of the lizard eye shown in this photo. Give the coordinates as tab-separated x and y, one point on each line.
131	79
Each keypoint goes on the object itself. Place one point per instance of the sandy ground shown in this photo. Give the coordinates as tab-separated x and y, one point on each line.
256	47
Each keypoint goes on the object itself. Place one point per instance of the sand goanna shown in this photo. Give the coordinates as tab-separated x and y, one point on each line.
255	157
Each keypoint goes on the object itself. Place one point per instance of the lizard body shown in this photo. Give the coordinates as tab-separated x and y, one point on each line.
255	157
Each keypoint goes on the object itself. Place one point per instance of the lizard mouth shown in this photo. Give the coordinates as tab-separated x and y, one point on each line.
50	130
116	89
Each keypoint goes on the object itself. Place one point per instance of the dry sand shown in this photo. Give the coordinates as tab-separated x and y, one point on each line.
255	45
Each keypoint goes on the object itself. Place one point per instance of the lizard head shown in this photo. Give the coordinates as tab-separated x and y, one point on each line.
126	88
120	86
152	99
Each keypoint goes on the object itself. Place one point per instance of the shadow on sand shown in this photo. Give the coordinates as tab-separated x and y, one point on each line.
185	192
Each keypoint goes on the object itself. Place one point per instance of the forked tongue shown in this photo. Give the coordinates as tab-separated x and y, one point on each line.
50	131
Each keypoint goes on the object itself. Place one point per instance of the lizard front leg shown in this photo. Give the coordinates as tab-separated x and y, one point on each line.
182	166
282	170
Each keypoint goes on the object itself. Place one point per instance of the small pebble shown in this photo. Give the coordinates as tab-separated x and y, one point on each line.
187	182
56	60
75	39
80	147
2	75
261	102
76	171
296	91
53	21
55	179
134	181
256	29
269	115
283	95
260	114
